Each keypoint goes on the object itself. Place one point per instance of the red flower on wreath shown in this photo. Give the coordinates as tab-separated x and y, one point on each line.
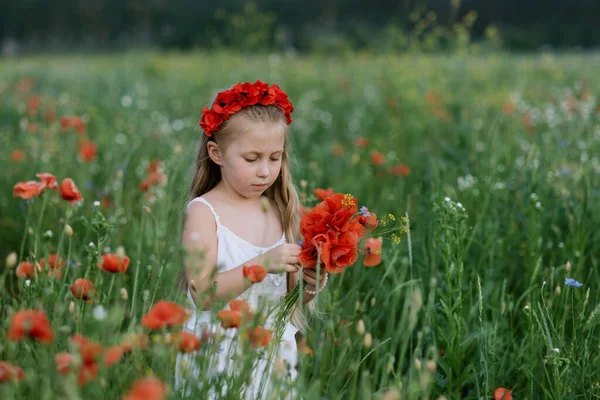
241	95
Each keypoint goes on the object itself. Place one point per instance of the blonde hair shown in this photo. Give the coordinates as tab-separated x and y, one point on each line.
207	175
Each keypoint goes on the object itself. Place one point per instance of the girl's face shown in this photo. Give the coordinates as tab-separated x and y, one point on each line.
252	160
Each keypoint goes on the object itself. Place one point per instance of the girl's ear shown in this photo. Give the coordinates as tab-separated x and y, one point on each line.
214	152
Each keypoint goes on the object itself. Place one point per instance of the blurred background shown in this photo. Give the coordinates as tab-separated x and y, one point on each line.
303	26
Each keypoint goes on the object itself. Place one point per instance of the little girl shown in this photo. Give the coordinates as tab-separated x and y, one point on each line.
243	210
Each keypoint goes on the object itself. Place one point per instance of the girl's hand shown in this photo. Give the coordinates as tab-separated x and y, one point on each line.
310	277
283	258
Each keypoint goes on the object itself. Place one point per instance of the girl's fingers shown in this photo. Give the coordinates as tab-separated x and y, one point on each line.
310	281
291	268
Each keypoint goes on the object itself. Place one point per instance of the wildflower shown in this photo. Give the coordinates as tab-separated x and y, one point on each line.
242	307
17	155
365	211
87	150
100	313
11	260
361	142
323	194
147	389
572	282
431	366
377	158
123	294
187	342
360	327
64	362
68	230
83	289
113	263
33	324
337	149
27	190
400	169
259	336
164	314
55	265
372	251
502	394
254	273
25	270
113	355
229	318
9	372
367	340
69	192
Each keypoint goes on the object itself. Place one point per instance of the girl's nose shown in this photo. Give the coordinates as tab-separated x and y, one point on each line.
263	170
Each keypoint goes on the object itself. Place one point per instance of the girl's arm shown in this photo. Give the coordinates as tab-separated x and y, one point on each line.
200	242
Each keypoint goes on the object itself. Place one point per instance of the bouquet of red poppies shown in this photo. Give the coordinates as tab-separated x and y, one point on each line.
332	231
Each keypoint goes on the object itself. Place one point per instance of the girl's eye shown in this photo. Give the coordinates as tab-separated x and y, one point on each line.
250	160
275	159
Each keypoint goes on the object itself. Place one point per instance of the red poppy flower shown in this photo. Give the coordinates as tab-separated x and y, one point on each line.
147	389
344	253
229	319
165	314
259	336
372	252
400	169
502	394
113	263
377	158
64	362
322	194
84	289
113	355
27	190
187	342
47	180
33	103
361	142
254	273
91	352
211	121
55	265
17	155
369	222
227	102
87	150
337	149
25	270
9	372
69	192
242	307
32	324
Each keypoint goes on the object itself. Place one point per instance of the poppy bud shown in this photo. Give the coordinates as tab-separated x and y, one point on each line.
360	327
11	260
68	230
431	366
368	340
123	294
391	394
418	364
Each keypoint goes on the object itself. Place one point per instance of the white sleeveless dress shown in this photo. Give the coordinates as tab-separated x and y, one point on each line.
233	251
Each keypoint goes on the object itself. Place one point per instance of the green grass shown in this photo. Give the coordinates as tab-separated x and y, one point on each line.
472	300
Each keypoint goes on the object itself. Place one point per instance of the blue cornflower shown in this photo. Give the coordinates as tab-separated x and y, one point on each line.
572	282
365	211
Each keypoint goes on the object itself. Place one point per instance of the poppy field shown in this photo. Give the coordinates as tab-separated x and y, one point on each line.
478	277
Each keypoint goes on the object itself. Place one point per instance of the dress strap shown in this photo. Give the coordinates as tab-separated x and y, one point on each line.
203	200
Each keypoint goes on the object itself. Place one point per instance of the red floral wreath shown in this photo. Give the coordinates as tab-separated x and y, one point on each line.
241	95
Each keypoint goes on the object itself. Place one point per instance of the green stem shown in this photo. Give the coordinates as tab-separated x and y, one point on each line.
25	233
39	227
137	272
